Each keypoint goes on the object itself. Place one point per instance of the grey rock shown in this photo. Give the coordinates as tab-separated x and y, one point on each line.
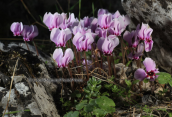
157	13
26	93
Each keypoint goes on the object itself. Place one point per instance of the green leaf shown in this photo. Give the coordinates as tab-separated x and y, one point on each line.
128	82
145	80
72	114
88	108
120	54
81	105
99	112
105	94
170	114
41	19
105	101
128	63
164	74
116	61
170	83
135	81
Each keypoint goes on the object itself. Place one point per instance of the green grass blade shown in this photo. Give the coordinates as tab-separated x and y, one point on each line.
71	8
79	9
93	8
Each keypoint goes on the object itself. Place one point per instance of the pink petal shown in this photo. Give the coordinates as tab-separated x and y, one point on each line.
68	56
148	45
57	56
54	34
140	74
149	64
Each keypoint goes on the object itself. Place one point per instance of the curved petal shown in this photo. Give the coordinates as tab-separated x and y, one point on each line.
114	40
57	56
100	43
127	36
68	56
88	41
149	64
68	34
54	34
116	14
34	32
140	74
47	19
102	11
76	38
148	45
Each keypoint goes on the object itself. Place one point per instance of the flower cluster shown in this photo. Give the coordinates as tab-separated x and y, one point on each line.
28	32
107	27
136	38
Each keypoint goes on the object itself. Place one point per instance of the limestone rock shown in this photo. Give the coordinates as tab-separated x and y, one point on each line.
157	13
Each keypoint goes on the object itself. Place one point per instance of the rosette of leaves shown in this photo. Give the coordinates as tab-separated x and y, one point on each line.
93	103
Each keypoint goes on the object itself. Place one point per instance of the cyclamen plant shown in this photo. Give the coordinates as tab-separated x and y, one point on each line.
28	32
107	27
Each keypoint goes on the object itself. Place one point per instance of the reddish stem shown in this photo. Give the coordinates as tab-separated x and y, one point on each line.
109	65
86	65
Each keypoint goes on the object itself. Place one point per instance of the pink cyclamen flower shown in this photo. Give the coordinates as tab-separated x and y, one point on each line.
120	25
145	32
17	28
106	45
151	70
69	22
29	32
105	21
83	42
131	37
139	52
116	14
148	44
63	60
52	20
60	37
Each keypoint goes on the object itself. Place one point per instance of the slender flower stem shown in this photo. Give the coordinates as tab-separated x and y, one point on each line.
70	73
27	45
86	65
35	48
114	66
122	49
69	45
101	61
92	48
92	54
109	65
76	57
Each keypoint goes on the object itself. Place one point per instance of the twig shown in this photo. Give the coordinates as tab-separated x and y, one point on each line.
59	5
35	48
11	86
32	15
27	45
